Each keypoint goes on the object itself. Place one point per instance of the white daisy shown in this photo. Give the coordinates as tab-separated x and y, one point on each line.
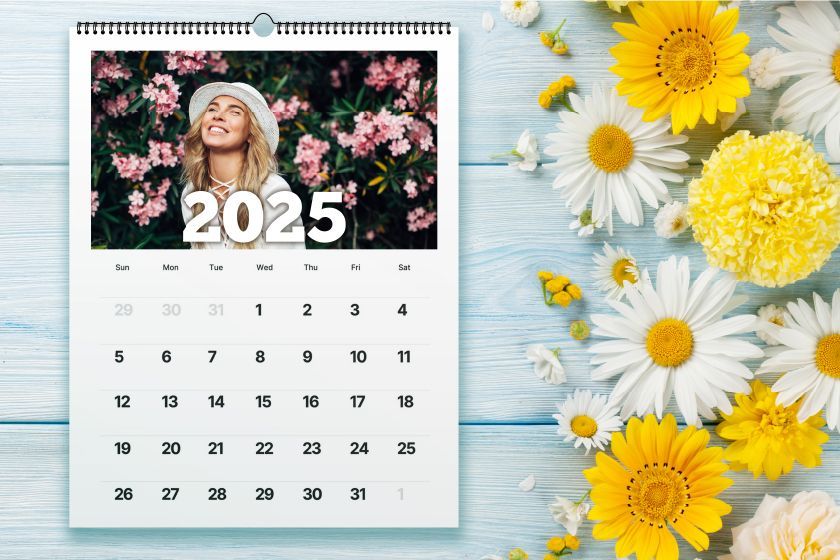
810	354
673	340
547	365
607	154
613	268
587	419
813	41
671	220
769	314
761	76
520	12
584	224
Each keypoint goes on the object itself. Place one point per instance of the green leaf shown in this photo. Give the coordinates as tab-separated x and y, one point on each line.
134	105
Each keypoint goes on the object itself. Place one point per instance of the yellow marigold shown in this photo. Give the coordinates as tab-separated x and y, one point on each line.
545	99
544	275
556	544
572	542
550	556
663	479
562	298
768	437
766	208
574	291
557	284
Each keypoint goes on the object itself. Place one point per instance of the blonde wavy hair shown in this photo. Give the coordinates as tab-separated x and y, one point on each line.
259	164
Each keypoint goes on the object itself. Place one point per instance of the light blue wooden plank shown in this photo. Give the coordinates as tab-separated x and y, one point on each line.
512	224
502	72
496	515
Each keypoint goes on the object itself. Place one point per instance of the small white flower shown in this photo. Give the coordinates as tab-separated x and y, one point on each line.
728	119
568	513
612	269
528	484
588	419
487	21
761	76
546	365
520	12
770	314
730	5
526	150
671	220
584	224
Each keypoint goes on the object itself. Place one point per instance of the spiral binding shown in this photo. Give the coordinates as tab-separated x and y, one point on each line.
244	27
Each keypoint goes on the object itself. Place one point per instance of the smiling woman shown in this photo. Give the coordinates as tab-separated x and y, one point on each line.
230	147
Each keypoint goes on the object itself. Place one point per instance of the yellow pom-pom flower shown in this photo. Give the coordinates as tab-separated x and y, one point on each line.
766	208
544	275
767	437
556	544
572	542
562	299
545	99
574	291
557	284
517	554
664	479
579	330
681	58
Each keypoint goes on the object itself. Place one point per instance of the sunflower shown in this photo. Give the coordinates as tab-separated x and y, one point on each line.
663	479
681	58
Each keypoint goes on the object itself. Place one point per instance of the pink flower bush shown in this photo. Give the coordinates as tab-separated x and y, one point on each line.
349	193
108	68
147	203
131	167
186	62
117	106
286	110
410	188
419	218
373	130
165	154
164	93
217	63
391	72
94	203
309	159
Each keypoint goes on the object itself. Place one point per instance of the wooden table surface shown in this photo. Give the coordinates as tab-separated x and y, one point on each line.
512	224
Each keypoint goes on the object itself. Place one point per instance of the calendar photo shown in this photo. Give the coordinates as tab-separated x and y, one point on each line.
254	387
235	149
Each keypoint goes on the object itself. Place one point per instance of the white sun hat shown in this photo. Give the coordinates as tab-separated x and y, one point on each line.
245	93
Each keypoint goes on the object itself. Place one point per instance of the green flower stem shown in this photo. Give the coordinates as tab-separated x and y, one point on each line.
583	498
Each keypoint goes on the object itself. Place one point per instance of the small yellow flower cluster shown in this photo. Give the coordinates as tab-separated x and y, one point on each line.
560	287
552	40
561	546
555	90
766	208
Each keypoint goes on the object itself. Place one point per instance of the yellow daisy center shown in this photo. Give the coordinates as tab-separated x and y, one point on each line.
610	148
620	271
827	355
835	65
657	494
688	60
776	419
670	342
584	426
